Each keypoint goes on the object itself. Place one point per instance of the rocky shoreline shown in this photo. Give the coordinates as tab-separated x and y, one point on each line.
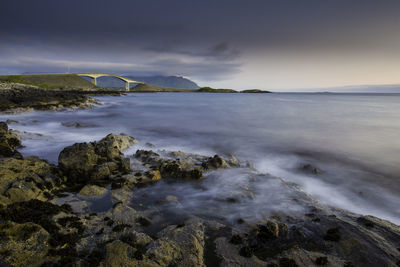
89	211
17	98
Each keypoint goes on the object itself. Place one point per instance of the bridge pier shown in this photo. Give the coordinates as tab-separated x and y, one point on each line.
94	80
127	86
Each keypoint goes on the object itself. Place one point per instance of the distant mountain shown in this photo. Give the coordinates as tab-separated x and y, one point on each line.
164	81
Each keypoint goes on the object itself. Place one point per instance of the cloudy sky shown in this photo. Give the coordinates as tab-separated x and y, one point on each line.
278	45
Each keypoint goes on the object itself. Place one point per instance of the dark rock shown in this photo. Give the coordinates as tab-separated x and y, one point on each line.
236	239
240	221
175	169
120	227
332	234
9	142
246	251
268	231
367	223
286	262
310	169
215	162
321	261
142	221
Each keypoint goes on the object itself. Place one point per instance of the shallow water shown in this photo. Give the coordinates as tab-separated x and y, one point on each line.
353	138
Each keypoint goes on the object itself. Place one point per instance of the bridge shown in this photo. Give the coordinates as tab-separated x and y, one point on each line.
94	76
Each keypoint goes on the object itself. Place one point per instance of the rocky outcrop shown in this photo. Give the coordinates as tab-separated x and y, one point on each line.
183	165
26	179
154	228
17	97
9	142
95	161
92	191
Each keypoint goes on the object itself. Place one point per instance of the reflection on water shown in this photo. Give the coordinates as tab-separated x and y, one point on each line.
353	139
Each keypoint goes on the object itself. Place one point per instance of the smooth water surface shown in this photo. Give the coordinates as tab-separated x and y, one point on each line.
352	138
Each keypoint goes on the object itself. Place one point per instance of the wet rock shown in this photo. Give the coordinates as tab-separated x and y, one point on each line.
310	169
267	231
177	154
365	221
93	191
182	246
321	261
9	142
23	244
121	254
9	121
286	262
25	179
236	239
332	234
178	170
148	156
152	175
84	162
72	124
246	251
215	162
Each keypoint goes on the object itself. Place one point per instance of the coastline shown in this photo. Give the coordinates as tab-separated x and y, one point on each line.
19	98
122	233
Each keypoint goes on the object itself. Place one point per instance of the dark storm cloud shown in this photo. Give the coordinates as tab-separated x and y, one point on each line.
204	39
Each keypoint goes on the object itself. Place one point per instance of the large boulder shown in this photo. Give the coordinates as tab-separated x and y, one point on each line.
9	142
84	162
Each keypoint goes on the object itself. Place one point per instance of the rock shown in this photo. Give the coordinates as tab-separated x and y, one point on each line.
9	142
179	246
23	244
25	179
178	170
177	154
267	231
152	175
310	169
148	156
171	198
72	124
93	191
286	262
332	234
84	162
215	162
120	254
9	121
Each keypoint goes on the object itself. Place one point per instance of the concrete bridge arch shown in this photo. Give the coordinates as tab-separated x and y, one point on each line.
94	76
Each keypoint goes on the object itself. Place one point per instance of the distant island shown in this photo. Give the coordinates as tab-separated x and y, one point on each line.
256	91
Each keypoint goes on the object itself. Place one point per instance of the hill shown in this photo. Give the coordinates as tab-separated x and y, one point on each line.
213	90
163	81
51	81
145	87
255	91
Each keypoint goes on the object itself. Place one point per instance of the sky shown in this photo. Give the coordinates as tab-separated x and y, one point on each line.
277	45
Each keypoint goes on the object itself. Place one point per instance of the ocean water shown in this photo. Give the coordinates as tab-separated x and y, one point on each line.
352	138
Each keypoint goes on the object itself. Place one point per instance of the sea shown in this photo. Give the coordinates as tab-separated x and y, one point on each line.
352	139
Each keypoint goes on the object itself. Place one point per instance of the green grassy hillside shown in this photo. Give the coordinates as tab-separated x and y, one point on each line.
213	90
255	91
145	87
51	81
